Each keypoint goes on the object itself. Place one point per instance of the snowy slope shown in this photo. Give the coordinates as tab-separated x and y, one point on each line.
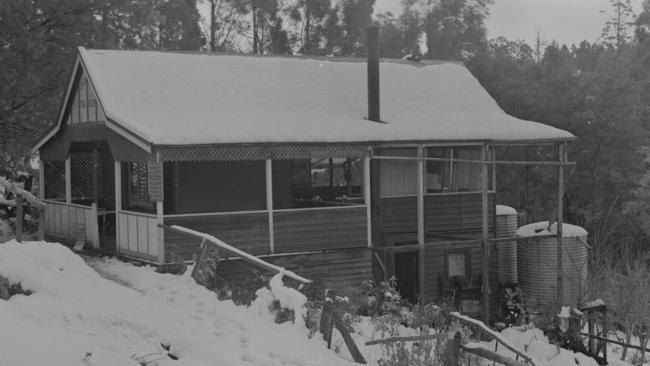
108	313
75	311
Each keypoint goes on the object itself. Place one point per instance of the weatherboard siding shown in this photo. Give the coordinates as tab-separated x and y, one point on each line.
245	231
320	229
443	214
339	269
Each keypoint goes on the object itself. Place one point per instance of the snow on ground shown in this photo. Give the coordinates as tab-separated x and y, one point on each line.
78	317
105	312
536	344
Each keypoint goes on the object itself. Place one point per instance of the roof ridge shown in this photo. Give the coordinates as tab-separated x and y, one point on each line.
422	62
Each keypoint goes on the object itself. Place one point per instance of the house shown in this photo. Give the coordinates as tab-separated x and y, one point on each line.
278	156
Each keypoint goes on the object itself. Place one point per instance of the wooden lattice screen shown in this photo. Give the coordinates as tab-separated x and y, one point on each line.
82	167
54	171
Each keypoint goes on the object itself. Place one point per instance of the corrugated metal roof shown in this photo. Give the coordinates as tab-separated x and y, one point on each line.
180	99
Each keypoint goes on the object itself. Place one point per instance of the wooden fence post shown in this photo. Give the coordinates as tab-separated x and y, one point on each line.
453	349
326	325
19	218
330	319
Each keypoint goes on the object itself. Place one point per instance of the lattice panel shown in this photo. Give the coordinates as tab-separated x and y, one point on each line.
300	173
260	152
54	179
82	167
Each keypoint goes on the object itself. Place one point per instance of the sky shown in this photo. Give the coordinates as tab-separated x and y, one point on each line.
565	21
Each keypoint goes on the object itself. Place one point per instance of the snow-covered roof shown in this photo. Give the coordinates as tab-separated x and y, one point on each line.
179	99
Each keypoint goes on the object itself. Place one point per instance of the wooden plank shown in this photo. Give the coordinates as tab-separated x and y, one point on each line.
143	238
133	233
152	230
123	234
74	213
88	221
61	209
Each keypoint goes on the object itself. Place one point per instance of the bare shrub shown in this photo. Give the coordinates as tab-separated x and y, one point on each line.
621	278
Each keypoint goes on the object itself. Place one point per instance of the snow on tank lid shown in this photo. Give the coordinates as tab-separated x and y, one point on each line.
541	228
505	210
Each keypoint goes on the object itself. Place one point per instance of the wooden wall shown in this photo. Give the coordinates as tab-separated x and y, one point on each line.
435	266
249	232
320	229
456	213
338	269
83	104
399	219
443	214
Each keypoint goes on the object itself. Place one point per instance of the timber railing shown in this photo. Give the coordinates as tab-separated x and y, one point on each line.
138	235
72	222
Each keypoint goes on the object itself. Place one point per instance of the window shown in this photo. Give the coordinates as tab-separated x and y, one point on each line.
451	175
438	172
398	177
457	264
466	177
317	182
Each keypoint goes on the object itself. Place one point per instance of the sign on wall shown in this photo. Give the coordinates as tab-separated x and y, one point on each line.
155	181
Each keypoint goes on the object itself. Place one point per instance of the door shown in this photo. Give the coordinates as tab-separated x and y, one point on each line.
406	272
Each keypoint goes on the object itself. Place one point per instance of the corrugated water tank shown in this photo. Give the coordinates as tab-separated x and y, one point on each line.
506	251
537	263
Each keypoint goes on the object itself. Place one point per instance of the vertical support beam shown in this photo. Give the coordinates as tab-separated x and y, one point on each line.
560	217
161	221
420	172
68	180
367	198
485	263
41	194
95	175
269	203
118	204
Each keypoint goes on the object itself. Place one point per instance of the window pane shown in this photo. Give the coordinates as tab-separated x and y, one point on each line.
467	176
317	182
437	172
456	262
398	177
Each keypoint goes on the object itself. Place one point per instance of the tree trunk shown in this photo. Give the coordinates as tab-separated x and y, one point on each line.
307	44
255	39
213	24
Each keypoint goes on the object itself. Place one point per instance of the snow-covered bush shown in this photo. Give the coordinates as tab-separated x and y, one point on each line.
8	290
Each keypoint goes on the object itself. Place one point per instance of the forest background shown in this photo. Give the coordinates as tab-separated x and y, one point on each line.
598	91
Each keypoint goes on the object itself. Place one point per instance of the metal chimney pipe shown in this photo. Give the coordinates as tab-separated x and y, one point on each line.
372	37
